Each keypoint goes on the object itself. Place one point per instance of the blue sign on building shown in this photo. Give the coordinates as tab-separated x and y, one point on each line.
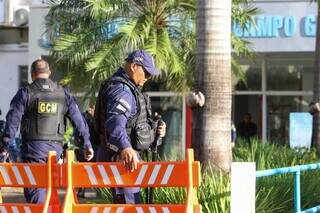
277	26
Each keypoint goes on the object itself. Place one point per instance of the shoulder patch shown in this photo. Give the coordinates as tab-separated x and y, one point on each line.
121	108
125	104
126	87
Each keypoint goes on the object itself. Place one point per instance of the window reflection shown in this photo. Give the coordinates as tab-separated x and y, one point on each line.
294	75
253	78
279	108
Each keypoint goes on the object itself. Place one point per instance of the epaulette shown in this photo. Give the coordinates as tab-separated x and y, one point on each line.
126	87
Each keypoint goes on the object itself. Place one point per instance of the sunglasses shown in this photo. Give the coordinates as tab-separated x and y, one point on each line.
147	74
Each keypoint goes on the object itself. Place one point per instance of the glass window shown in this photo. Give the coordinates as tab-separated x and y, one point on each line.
170	109
290	75
279	108
252	72
14	35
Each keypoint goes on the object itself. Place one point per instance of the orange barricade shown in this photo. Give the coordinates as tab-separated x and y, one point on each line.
149	174
33	175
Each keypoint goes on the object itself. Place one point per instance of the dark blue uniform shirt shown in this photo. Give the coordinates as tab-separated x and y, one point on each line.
36	149
121	106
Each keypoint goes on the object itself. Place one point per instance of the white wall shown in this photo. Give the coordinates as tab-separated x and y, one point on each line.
14	55
9	80
36	31
2	6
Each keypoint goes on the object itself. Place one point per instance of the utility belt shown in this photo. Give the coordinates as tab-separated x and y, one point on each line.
41	140
114	156
112	148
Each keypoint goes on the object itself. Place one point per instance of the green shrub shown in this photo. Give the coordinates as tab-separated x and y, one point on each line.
268	156
214	193
275	193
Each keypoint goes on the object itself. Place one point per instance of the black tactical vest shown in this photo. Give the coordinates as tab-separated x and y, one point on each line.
140	128
44	116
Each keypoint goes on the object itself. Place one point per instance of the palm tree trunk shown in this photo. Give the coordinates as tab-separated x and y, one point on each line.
316	88
212	123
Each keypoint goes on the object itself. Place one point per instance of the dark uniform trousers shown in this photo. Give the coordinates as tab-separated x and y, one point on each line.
35	195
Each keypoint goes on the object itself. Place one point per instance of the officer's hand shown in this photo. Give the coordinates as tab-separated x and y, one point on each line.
161	131
4	154
88	154
129	159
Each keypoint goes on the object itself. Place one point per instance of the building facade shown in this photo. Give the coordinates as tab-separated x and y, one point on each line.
15	52
280	75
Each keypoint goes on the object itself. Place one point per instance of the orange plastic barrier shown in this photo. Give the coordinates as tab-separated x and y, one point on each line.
34	176
149	174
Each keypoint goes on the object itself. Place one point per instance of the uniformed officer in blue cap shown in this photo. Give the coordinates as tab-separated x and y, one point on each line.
41	107
123	118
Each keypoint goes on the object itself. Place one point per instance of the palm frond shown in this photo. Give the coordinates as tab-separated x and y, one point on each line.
108	8
238	72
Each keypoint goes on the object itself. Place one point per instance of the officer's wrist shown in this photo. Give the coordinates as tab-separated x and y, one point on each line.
87	146
123	146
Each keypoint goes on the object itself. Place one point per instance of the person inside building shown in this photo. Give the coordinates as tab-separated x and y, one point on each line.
88	116
41	108
247	128
123	118
314	107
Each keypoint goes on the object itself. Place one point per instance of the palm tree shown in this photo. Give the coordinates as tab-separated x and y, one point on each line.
212	123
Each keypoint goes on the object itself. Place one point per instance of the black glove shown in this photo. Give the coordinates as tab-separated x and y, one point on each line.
158	121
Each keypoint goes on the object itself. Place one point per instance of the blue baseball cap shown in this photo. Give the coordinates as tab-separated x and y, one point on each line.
143	59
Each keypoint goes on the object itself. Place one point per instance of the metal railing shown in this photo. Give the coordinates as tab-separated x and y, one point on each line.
296	170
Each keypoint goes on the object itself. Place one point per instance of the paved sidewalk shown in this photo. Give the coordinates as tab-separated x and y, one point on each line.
12	195
15	195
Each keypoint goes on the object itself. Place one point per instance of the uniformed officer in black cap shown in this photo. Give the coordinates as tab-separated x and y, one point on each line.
123	118
41	108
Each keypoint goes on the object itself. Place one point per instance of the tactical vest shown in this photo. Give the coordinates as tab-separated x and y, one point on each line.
140	128
44	115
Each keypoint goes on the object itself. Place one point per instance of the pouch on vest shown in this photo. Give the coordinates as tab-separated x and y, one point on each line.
144	136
